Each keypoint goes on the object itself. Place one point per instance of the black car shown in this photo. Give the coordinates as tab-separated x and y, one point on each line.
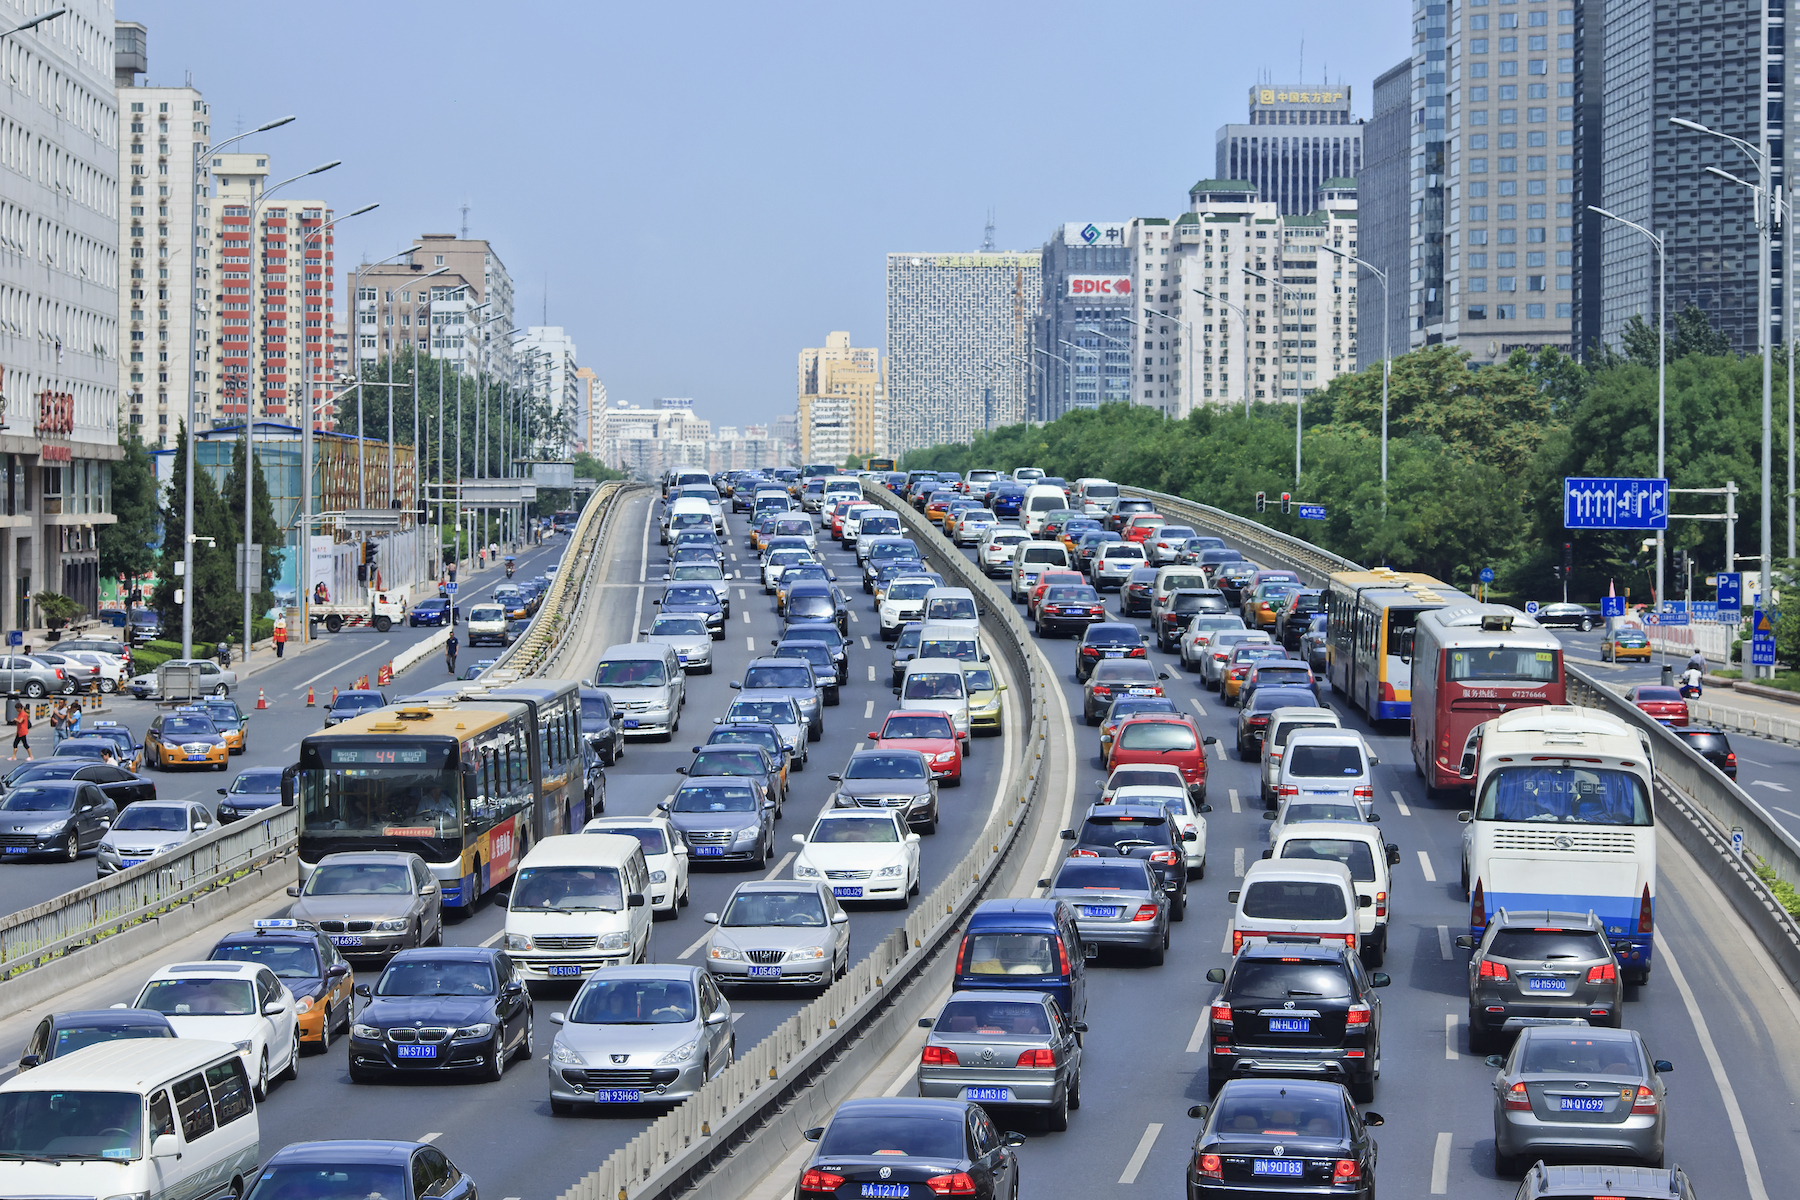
1282	1137
895	1146
354	703
1137	594
1253	716
1311	1006
250	793
602	724
1137	831
1184	605
390	1170
755	733
1709	743
307	964
119	785
515	628
1230	579
1295	616
1068	607
820	631
697	599
824	664
1111	639
65	1033
431	611
442	1008
740	758
817	600
1569	616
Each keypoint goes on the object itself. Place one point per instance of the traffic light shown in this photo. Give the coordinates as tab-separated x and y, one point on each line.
1262	501
1556	573
1681	564
1287	503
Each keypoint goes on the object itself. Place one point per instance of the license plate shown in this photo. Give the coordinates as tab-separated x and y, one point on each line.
709	851
681	657
1581	1104
630	724
1290	1024
563	969
18	849
765	972
1115	653
1291	1168
130	862
415	1051
847	893
341	940
618	1096
1142	692
1096	910
1533	984
885	1191
991	1095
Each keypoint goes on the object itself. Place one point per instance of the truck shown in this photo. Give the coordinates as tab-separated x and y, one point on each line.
381	611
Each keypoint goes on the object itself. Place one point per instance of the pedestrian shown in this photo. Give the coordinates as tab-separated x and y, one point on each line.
59	719
72	724
280	637
21	731
450	654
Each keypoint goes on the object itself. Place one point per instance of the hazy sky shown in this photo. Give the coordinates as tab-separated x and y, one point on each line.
702	189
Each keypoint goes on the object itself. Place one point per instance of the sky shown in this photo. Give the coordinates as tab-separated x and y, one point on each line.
697	191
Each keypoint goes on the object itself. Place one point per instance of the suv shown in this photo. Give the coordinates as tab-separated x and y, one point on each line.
1104	640
1141	831
1300	1010
789	678
1545	1182
1529	966
1114	562
1171	613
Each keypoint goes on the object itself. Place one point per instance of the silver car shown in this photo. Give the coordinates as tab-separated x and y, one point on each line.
34	677
1216	658
687	635
1004	1048
1569	1088
781	712
371	903
1117	902
214	679
779	932
792	678
147	829
703	572
650	1034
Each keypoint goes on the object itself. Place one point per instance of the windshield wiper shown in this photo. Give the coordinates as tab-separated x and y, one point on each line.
1299	992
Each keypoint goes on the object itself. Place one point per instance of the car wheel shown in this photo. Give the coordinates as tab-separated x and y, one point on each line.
1481	1042
325	1031
222	690
35	690
261	1088
493	1063
1200	871
1215	1082
1506	1165
292	1071
1178	910
1375	950
527	1043
72	846
1362	1088
1056	1120
1586	624
1158	955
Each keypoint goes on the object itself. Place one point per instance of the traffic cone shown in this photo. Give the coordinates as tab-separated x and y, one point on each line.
262	701
309	696
334	695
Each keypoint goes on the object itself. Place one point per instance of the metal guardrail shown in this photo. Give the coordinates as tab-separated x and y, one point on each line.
699	1133
1745	720
562	600
1280	549
34	936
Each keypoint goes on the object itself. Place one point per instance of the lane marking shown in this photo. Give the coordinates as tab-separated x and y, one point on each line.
1444	943
292	748
1733	1111
865	641
345	663
701	941
637	613
868	709
1400	803
1785	811
493	940
1141	1154
1235	806
1450	1026
750	643
782	865
746	618
1237	862
853	618
871	672
740	592
1425	866
432	1137
1193	700
1199	1038
1440	1166
1226	948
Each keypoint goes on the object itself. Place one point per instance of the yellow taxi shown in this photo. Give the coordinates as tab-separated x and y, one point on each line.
1623	643
230	721
1231	681
760	534
185	737
938	505
984	698
1265	603
307	963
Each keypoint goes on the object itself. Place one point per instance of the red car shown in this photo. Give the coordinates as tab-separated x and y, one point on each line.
931	734
1663	703
1046	581
1163	738
1140	527
838	512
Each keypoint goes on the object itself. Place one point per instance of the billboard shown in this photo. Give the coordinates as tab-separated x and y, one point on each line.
1277	96
1093	233
1098	287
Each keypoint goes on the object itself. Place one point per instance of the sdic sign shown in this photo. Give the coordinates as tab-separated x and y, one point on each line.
1118	287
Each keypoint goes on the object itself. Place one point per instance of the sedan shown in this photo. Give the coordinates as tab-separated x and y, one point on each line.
708	572
214	680
371	903
36	678
66	1032
898	780
1196	639
1117	902
724	818
932	734
354	703
1243	658
430	611
743	759
1217	657
446	1008
1273	1136
54	817
688	635
128	750
390	1170
116	783
1137	592
1067	609
784	713
603	724
1713	745
864	855
146	830
1576	616
1663	703
1110	639
1118	677
908	1144
1004	1048
640	1034
307	963
239	1003
1189	817
779	933
694	599
665	854
1578	1091
1049	579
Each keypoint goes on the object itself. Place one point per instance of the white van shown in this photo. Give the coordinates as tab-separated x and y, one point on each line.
487	623
1032	559
689	504
579	902
1283	724
158	1118
1294	899
937	685
1096	496
1360	848
1027	475
952	604
952	639
1040	501
840	487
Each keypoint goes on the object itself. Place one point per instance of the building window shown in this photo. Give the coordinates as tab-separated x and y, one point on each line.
1506	283
1565	310
1505	312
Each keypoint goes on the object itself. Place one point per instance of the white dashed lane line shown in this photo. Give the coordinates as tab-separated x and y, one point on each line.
1440	1166
1425	866
1444	942
1235	805
1400	803
1237	862
750	644
1141	1154
868	709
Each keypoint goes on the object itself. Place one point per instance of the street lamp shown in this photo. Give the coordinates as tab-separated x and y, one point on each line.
1662	333
34	22
1299	392
1387	354
362	477
1243	316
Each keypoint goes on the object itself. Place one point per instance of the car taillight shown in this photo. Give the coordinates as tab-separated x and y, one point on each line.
1084	854
1731	758
1287	789
1036	1058
1348	1170
1164	856
962	954
1492	970
1645	1102
1515	1099
1262	720
1237	940
1100	689
59	672
1221	1013
1603	974
1358	1015
1145	912
1363	792
816	1180
1090	652
937	1056
1209	1166
1137	652
1062	955
1381	904
1644	912
1218	657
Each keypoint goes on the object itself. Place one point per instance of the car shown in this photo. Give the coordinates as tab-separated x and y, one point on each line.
1143	832
1165	543
371	903
665	851
354	702
1578	1091
238	1003
936	685
1163	738
478	666
1059	577
1368	858
229	719
816	600
819	656
1106	640
1193	547
1171	616
1113	563
779	933
603	723
694	599
214	679
1117	902
1088	545
1569	616
1624	642
1232	579
79	674
865	855
757	733
487	623
1005	1049
54	817
129	751
1277	672
1315	646
804	573
1144	774
723	818
1663	703
1115	677
389	1170
116	783
1245	656
984	699
1274	1137
1530	967
1712	744
922	1146
148	829
1546	1182
432	610
879	552
972	524
1137	591
516	628
66	1032
903	601
741	758
899	779
36	677
442	1008
688	634
1263	605
1124	707
1281	725
1140	527
511	597
308	964
1335	1034
1178	802
654	1033
933	735
1065	609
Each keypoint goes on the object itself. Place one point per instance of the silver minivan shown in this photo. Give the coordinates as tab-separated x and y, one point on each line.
647	685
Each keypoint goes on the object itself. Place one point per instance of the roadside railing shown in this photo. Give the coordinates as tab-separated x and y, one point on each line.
567	591
1279	549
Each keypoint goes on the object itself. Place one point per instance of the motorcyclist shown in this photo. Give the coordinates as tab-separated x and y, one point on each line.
1691	682
224	654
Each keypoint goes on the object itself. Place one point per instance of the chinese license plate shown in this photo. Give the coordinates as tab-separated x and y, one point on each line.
1538	984
709	851
562	969
18	849
1292	1168
630	724
1097	910
342	940
1142	691
765	972
992	1095
618	1095
1581	1103
1290	1024
1114	653
415	1051
885	1191
129	862
847	893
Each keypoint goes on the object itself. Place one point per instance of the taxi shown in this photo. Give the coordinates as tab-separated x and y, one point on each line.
307	963
131	755
938	505
1625	642
1265	602
185	737
761	532
1231	682
984	698
1073	531
230	720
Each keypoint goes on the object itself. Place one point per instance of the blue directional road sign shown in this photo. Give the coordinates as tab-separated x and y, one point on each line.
1762	638
1672	612
15	637
451	587
1311	512
1615	503
1731	595
1612	606
1531	608
1487	574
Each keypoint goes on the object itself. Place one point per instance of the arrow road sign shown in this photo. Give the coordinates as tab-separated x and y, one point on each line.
1531	608
1615	503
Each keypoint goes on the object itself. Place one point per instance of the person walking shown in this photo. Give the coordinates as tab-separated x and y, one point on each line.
450	654
280	637
21	731
72	721
59	722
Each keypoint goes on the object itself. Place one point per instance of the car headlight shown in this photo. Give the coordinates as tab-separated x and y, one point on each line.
517	941
107	848
480	1029
893	872
946	756
367	1032
563	1054
242	1047
805	872
745	835
394	926
228	810
806	952
725	954
922	798
679	1054
615	941
303	1004
659	877
839	800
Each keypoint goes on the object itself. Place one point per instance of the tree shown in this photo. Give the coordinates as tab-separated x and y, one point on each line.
1694	334
218	605
127	548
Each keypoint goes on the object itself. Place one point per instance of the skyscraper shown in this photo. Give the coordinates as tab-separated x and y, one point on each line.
1087	298
1382	213
1297	137
842	401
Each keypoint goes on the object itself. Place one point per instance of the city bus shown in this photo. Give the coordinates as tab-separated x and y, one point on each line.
1470	663
1367	614
556	715
880	465
1564	821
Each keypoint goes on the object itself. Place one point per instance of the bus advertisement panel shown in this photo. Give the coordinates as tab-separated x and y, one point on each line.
1471	663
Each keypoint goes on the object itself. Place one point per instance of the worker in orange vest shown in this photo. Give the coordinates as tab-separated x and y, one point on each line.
280	637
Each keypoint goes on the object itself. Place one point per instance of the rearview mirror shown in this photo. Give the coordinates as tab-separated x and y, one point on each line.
814	1134
1465	816
1374	1119
1232	897
1466	942
799	839
1664	1066
1068	835
1495	1061
1043	883
1268	854
165	1146
1379	979
1200	1111
1216	975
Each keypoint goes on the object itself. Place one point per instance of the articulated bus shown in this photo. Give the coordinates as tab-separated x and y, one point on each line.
1368	616
1472	662
1564	821
469	786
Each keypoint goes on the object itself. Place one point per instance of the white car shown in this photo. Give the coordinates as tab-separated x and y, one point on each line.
853	521
146	829
1198	636
703	572
665	853
111	670
903	601
1217	658
240	1003
995	551
214	680
863	854
1296	810
1188	817
779	561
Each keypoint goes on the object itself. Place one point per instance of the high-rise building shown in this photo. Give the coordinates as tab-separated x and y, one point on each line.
1383	216
468	309
842	407
590	412
959	334
1426	164
1087	298
547	370
1297	137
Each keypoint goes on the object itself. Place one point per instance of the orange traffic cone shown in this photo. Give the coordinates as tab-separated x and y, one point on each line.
309	696
262	701
334	695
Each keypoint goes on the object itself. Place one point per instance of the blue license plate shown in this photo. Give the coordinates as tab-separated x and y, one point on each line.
1290	1024
563	970
619	1096
847	893
991	1095
340	940
709	851
1291	1168
885	1191
1581	1104
765	972
415	1051
1536	984
631	724
18	849
681	657
1096	910
130	862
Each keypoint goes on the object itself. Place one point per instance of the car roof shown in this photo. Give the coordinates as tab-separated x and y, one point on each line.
186	970
1015	995
350	1153
1117	810
1290	867
1331	831
1594	1033
139	1062
111	1018
903	1106
451	953
1315	952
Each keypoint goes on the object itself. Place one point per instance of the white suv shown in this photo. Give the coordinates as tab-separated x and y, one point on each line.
995	553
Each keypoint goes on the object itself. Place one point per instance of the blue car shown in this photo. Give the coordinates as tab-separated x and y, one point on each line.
701	600
1007	501
435	611
250	793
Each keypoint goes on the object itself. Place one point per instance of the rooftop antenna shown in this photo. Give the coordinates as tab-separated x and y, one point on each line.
465	221
1303	60
987	236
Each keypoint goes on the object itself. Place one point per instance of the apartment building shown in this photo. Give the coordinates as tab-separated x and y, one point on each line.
842	406
547	372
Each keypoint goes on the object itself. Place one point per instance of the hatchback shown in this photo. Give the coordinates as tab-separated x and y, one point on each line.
1529	966
1157	738
1578	1091
1118	677
640	1034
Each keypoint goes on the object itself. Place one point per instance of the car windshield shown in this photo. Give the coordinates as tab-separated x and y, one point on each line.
58	1125
568	888
1092	876
1546	944
1275	979
1318	810
634	1002
708	798
1270	1110
1010	954
951	608
1157	735
1579	1056
776	712
933	685
995	1018
778	677
909	589
630	672
690	595
1112	635
698	571
768	739
189	727
1294	900
1565	795
288	959
788	909
727	762
199	997
149	816
846	830
909	637
1119	830
1354	854
1536	666
436	977
360	879
39	799
487	612
917	725
888	766
648	836
1129	706
1324	762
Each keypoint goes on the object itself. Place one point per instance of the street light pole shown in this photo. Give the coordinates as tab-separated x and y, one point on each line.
1188	382
1387	358
1299	392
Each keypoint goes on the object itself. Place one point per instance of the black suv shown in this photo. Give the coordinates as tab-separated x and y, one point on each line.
1711	744
1136	831
1298	1009
1184	605
1296	615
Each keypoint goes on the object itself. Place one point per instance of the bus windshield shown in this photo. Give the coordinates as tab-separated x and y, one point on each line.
1556	795
1500	663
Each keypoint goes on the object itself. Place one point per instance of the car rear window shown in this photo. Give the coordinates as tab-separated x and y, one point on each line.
1113	635
906	1138
1286	729
1270	1109
1547	944
995	1018
1332	762
1582	1056
1276	676
1294	900
1009	954
1708	743
1157	735
1112	830
1124	670
1281	980
1354	854
1079	874
1658	693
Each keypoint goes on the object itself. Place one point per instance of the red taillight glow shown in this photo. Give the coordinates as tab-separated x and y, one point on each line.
1145	912
957	1184
1492	970
1210	1166
1084	854
1348	1170
1381	904
1477	909
1062	955
1645	1102
1603	974
1287	789
1644	912
1164	856
1363	792
816	1180
937	1056
1036	1058
1516	1100
1222	1013
1358	1015
962	954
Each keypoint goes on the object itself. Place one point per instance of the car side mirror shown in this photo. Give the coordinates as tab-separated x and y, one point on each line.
1393	855
1200	1111
896	691
814	1134
1043	883
1268	854
735	685
1165	675
1232	897
1495	1061
274	1008
1375	817
1379	979
799	839
1466	942
840	918
293	889
643	633
926	1022
1268	816
1068	835
1209	741
1216	975
165	1146
337	970
662	806
768	805
1374	1119
1663	1066
364	990
718	1017
636	900
500	899
557	1018
1465	816
221	791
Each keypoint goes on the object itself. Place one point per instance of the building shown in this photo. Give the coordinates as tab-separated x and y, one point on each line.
546	357
959	334
590	409
60	271
1382	215
842	407
1298	136
1084	340
468	309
